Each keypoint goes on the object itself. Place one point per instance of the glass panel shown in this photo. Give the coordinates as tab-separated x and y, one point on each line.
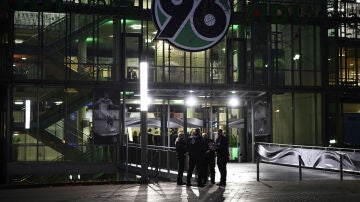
151	44
194	119
218	69
169	63
78	120
54	46
305	119
25	122
154	117
307	59
105	49
198	66
296	54
281	40
219	119
27	49
238	53
282	118
132	52
52	113
260	54
176	122
82	59
236	134
349	62
319	120
132	118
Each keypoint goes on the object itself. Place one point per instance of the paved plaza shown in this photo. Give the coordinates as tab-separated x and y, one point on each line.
277	183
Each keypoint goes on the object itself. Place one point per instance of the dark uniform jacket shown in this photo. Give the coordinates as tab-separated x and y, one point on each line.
209	148
222	143
196	147
180	148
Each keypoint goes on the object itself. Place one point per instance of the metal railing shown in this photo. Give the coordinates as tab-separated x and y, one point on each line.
312	157
160	160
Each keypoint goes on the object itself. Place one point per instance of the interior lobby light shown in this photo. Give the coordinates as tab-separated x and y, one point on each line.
19	41
18	102
90	39
233	102
143	86
58	102
135	26
296	57
191	101
27	113
148	40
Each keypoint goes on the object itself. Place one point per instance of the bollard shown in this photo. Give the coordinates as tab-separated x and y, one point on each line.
300	172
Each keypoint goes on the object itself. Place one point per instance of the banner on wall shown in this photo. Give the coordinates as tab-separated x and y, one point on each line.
192	25
106	115
262	118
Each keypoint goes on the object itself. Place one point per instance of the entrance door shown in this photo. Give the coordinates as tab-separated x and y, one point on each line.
231	121
237	135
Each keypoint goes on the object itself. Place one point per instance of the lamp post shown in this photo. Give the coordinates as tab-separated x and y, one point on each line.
143	119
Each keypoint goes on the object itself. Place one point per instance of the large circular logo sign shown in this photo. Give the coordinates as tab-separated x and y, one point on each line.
192	25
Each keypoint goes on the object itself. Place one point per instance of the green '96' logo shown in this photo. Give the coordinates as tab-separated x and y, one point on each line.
192	25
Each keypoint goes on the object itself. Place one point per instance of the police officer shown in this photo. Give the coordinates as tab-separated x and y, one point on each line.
209	162
222	143
196	150
181	150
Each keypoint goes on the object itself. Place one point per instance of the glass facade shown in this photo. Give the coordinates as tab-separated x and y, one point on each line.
295	65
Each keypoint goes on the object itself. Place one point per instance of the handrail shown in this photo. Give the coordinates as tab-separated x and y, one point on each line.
75	134
152	147
60	20
76	130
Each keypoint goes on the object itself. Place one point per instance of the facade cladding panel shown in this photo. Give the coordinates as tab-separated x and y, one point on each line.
70	82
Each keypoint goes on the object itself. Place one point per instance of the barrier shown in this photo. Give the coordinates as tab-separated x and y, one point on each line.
322	158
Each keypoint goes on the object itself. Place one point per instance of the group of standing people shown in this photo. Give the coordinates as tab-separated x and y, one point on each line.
202	152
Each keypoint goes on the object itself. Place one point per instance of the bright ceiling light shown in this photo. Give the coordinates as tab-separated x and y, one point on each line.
233	102
191	101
